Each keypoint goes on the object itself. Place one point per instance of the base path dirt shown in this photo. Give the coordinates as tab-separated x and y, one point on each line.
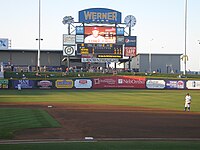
110	122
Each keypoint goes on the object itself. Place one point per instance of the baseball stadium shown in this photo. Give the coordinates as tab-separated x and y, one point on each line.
72	99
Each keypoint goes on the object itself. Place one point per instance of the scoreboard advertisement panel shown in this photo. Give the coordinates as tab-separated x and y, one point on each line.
130	41
99	15
100	34
130	51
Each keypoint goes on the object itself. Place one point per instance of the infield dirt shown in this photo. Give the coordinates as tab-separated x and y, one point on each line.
111	122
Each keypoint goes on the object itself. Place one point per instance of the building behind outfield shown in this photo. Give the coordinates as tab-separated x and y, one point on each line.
23	59
162	63
52	59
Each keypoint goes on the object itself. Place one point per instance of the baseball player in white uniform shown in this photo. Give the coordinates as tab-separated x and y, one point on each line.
188	100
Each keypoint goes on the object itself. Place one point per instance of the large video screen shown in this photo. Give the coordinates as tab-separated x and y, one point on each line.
99	34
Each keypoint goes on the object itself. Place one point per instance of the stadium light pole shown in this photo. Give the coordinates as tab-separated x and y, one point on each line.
39	37
185	54
129	58
199	62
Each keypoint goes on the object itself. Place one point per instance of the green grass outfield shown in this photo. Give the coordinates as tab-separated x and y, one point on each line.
118	145
164	99
12	120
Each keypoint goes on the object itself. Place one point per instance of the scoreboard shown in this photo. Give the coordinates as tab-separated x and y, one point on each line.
96	49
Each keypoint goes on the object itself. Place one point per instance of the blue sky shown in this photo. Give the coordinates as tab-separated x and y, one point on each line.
160	20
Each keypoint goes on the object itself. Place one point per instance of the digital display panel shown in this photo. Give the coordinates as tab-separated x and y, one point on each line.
86	49
100	34
79	30
120	31
3	43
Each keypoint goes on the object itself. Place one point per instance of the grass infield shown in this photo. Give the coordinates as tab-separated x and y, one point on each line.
12	120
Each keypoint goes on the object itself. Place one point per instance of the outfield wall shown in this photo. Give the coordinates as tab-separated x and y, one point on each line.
114	82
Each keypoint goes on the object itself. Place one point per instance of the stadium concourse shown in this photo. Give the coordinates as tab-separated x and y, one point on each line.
18	60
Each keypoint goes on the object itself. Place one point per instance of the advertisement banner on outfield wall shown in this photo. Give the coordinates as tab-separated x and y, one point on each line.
130	82
119	82
155	84
193	84
104	82
64	84
3	84
45	84
83	83
175	84
25	84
